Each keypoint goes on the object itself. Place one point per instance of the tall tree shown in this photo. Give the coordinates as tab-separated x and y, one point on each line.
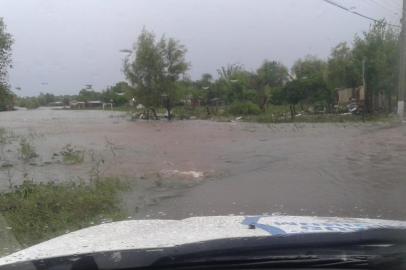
88	94
293	93
379	47
236	84
6	41
311	81
270	76
173	66
141	68
310	66
205	90
229	72
153	69
342	72
119	94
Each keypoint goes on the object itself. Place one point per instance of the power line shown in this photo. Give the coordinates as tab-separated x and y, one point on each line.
394	3
402	64
356	13
385	7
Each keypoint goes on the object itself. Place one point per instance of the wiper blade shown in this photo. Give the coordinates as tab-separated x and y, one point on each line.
357	262
360	256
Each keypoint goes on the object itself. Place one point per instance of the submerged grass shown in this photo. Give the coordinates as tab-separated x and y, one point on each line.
274	114
71	155
323	118
26	150
37	212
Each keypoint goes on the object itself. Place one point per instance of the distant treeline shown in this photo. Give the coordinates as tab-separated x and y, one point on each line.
118	94
157	76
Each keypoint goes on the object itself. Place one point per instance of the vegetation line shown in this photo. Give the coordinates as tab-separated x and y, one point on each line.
37	212
158	84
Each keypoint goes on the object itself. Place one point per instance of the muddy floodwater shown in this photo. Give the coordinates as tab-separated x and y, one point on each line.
213	168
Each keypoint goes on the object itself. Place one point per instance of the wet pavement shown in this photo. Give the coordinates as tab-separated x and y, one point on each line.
352	170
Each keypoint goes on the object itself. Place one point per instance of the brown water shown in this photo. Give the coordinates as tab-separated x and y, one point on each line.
355	170
325	170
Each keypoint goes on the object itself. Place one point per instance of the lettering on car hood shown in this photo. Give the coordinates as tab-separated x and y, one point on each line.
289	225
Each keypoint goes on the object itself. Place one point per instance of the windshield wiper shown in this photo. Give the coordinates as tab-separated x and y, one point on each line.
375	248
394	261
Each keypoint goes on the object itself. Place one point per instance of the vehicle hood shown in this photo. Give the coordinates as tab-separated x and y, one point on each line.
152	234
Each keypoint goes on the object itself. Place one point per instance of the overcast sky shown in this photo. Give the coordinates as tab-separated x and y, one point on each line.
61	45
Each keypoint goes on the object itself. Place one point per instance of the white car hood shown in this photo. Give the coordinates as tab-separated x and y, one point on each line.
151	234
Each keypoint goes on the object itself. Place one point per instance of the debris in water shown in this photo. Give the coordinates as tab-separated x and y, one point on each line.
192	174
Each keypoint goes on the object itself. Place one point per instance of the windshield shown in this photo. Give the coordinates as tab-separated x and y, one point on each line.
142	110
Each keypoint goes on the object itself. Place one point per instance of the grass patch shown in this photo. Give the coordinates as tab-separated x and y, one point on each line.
37	212
3	136
71	155
123	108
26	150
244	108
6	136
273	114
319	118
187	112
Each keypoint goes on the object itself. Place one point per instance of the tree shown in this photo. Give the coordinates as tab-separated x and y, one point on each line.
236	84
153	69
173	65
7	98
379	47
205	90
45	99
119	94
341	71
6	41
310	66
229	72
88	94
311	76
65	100
270	76
293	93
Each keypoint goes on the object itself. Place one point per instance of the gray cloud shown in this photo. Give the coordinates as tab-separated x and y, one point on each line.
70	43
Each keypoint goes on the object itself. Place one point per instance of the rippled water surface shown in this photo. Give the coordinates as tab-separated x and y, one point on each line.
356	170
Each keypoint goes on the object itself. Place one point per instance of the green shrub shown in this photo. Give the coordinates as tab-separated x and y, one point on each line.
3	136
32	105
36	212
244	108
26	150
71	155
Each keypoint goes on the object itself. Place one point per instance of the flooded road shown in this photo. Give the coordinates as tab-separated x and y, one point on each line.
354	170
324	170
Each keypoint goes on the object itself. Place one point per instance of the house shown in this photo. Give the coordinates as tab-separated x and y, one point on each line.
345	96
107	105
93	104
216	102
55	104
77	104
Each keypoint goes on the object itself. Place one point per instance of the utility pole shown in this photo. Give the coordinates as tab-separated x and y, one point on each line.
364	86
402	65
